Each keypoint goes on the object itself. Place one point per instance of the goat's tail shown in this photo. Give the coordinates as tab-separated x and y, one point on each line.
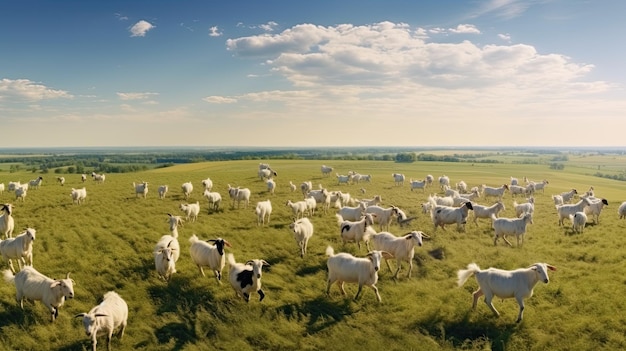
464	274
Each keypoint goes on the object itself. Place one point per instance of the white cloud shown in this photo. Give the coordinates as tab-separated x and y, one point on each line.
215	32
269	26
136	96
121	17
219	100
465	29
24	89
506	37
140	28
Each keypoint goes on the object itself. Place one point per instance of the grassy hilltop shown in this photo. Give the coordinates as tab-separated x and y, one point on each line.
107	244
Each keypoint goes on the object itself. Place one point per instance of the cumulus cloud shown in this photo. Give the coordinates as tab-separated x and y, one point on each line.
269	26
219	100
506	37
24	89
140	28
135	96
214	32
465	29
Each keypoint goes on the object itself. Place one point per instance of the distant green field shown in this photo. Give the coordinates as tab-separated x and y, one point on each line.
107	244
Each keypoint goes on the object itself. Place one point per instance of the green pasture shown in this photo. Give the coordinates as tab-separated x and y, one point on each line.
107	244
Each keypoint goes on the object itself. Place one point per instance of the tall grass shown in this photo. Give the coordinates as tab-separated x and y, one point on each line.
107	244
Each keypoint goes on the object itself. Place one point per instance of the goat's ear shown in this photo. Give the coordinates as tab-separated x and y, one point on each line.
54	284
79	315
551	267
101	315
265	263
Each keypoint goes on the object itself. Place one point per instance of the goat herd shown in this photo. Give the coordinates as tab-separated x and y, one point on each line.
355	218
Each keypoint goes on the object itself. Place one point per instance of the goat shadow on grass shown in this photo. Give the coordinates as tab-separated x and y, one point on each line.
321	312
14	315
86	344
181	296
462	332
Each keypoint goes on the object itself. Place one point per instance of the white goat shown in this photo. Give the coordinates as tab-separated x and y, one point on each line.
187	188
263	210
105	318
382	216
164	257
78	195
418	184
1	188
352	213
398	179
210	254
174	222
271	186
7	223
239	194
343	179
372	202
311	205
429	179
356	231
207	184
621	211
345	268
442	215
302	231
19	248
83	177
13	185
266	173
595	208
568	196
567	209
34	286
246	278
162	191
141	189
511	226
579	220
481	211
36	183
444	181
298	208
20	193
558	200
292	186
402	248
61	180
98	178
191	210
214	199
326	171
494	192
504	284
527	207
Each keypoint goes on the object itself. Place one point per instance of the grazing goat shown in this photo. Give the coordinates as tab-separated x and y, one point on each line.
83	178
266	173
429	179
98	178
558	200
36	183
621	211
20	193
382	216
214	199
442	215
141	189
298	208
239	194
305	187
292	186
105	318
174	222
398	179
401	248
187	188
568	196
302	231
34	286
505	284
418	184
494	192
343	179
19	248
444	181
536	186
191	210
481	211
345	268
356	231
595	208
78	195
527	207
7	223
246	278
565	210
263	210
207	184
579	220
352	213
271	186
61	180
162	191
326	171
210	254
511	226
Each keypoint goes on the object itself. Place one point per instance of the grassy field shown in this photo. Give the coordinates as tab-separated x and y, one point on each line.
107	244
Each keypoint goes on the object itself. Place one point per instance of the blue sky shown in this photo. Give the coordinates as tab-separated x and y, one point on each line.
312	73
